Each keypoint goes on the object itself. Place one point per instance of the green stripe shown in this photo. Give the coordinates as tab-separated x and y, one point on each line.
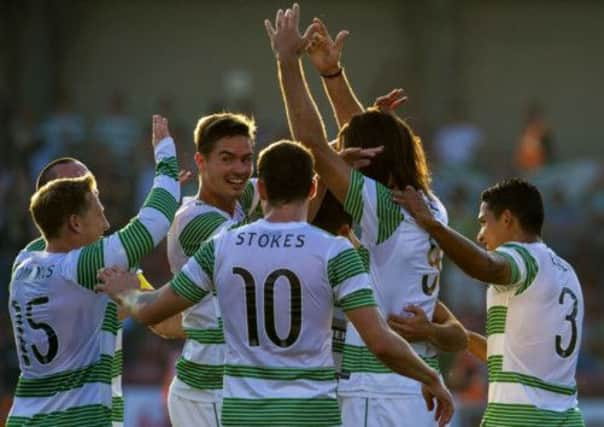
360	359
497	375
90	261
163	201
247	197
364	254
515	415
512	263
167	166
388	213
282	374
117	409
280	412
198	230
358	299
202	377
117	364
205	258
353	203
111	323
496	318
81	416
532	268
206	336
337	346
343	266
36	245
99	372
137	241
186	288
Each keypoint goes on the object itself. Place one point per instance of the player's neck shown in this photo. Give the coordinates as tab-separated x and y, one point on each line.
61	245
213	199
289	212
524	237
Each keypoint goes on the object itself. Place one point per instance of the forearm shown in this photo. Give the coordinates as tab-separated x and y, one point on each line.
472	259
477	345
342	98
450	336
170	328
401	358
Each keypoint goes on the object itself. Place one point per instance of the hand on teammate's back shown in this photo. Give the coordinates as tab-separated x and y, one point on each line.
324	52
390	102
444	402
116	281
159	129
414	203
285	37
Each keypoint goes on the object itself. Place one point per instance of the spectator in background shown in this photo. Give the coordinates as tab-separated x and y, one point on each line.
457	142
117	130
535	145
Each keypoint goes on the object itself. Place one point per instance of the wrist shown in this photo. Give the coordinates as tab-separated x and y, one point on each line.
332	73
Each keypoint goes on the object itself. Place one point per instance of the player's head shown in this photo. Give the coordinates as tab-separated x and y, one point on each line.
63	167
509	207
224	157
402	162
286	173
332	217
69	208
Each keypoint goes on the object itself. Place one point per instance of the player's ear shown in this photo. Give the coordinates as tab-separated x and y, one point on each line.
262	189
199	160
312	192
507	217
74	223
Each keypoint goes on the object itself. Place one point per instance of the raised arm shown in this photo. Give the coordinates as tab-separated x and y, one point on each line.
126	247
445	332
489	267
325	54
304	120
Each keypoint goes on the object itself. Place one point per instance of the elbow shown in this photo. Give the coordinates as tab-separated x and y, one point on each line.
379	347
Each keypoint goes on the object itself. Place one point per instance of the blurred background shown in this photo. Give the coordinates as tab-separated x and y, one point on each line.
496	89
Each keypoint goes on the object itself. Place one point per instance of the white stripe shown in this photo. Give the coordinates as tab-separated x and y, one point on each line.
495	344
165	148
180	389
88	394
525	395
256	388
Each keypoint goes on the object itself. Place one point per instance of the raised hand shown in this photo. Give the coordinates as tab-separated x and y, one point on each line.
184	176
444	402
160	129
285	37
360	157
389	102
414	203
324	52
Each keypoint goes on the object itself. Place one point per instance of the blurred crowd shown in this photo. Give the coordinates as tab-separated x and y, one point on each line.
116	147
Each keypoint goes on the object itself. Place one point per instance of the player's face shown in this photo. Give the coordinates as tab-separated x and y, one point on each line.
493	231
93	220
227	169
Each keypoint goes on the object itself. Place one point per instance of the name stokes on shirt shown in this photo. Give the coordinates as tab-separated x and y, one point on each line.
270	240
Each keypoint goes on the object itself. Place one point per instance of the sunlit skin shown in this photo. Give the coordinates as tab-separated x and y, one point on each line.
494	231
225	172
93	222
70	170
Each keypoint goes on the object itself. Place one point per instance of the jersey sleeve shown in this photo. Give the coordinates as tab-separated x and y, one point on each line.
198	230
349	279
128	245
196	279
370	205
523	265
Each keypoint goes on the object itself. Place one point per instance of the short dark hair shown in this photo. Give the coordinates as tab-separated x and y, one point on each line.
403	160
211	128
286	168
52	204
521	198
331	215
48	173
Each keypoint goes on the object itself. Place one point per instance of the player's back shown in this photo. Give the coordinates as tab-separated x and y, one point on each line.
534	334
276	285
66	342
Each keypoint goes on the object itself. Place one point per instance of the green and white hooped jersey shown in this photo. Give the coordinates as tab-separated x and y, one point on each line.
404	264
533	337
200	369
68	338
277	284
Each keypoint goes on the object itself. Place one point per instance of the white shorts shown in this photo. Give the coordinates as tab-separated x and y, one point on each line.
185	413
401	411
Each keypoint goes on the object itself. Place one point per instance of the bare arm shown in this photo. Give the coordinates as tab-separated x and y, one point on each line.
483	265
170	328
304	120
477	345
444	331
398	355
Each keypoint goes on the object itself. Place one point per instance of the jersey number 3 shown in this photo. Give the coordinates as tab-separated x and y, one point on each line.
572	319
295	307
